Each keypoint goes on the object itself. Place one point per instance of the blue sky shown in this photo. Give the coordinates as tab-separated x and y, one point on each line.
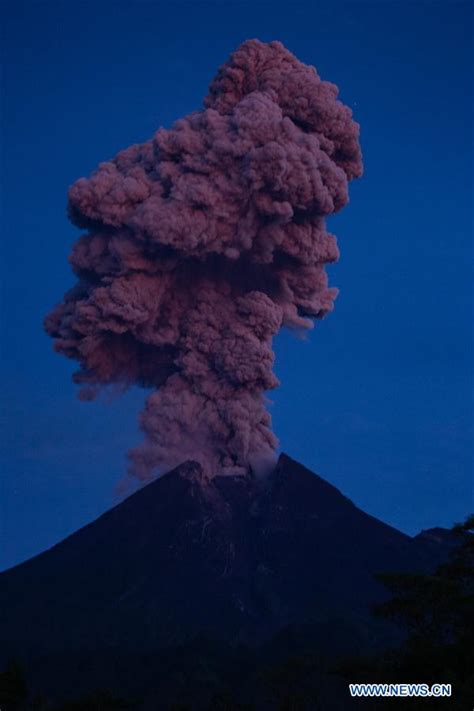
378	400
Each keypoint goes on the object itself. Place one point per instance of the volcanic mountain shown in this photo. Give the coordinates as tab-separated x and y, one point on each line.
233	559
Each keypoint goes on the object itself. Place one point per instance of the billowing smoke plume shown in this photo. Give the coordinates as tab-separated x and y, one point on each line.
201	244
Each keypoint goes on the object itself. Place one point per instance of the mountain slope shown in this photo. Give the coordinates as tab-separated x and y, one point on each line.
232	558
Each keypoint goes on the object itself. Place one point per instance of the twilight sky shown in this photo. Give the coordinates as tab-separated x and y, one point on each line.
378	400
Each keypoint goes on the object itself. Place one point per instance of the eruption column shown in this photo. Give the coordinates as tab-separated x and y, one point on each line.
199	245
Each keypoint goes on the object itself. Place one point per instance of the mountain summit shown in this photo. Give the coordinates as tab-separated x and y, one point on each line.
233	558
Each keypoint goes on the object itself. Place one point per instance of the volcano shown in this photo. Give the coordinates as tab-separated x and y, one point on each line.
233	559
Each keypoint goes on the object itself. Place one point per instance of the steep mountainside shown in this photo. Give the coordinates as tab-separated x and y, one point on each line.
232	558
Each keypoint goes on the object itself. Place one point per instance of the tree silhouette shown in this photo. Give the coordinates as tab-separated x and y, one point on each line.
292	684
99	700
437	612
13	688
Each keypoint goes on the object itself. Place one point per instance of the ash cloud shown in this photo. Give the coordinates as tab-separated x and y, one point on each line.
199	245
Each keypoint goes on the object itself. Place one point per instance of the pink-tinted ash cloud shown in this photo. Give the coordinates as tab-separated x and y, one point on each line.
202	243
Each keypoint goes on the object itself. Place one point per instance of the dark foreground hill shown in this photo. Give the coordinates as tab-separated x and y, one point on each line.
188	564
